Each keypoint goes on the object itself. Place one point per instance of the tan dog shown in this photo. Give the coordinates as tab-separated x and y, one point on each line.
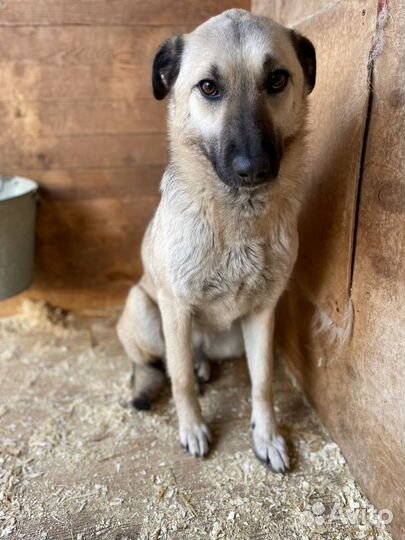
220	249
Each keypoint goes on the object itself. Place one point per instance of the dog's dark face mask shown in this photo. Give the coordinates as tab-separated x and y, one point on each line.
248	150
238	85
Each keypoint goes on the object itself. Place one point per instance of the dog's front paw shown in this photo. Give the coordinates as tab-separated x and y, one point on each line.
271	449
195	438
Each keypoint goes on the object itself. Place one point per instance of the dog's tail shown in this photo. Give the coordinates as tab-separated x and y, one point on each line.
149	380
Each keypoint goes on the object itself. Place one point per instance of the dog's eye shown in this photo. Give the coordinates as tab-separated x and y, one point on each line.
277	81
208	88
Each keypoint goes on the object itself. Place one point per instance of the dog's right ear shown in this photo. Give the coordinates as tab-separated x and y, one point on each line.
166	66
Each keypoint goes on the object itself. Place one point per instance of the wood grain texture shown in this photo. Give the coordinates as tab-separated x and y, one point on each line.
291	12
22	82
341	324
83	46
378	284
98	183
81	151
57	118
87	251
112	12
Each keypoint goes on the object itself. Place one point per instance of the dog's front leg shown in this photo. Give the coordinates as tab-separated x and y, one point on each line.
194	434
269	445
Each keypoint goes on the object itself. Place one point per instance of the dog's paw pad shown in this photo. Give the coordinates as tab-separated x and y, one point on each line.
195	438
272	450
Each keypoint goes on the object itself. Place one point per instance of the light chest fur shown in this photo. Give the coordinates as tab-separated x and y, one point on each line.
223	268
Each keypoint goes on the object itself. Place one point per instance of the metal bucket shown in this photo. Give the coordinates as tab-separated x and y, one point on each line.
17	234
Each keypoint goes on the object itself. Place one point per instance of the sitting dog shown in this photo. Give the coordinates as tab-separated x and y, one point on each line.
219	251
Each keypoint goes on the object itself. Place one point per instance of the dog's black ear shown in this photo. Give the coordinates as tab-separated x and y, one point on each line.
307	57
166	66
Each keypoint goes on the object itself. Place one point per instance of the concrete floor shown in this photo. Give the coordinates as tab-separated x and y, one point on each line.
77	463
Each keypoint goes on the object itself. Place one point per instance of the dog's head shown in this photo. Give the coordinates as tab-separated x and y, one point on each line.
238	86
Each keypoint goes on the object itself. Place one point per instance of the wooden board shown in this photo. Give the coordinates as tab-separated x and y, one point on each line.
83	151
112	12
378	287
82	45
81	117
108	183
37	81
291	12
104	256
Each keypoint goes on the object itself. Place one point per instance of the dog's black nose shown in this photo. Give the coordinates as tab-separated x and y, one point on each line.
252	170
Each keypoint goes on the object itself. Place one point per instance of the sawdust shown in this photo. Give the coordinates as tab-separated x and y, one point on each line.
77	463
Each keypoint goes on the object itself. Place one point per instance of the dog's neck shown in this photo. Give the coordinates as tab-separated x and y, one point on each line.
192	173
191	184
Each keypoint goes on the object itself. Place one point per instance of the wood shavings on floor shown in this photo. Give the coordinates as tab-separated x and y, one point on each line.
77	463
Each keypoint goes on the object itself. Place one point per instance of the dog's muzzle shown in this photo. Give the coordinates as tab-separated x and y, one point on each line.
248	154
252	171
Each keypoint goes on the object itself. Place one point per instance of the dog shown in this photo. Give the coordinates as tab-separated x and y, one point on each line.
220	249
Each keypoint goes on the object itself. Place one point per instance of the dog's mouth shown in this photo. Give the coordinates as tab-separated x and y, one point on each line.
257	183
248	182
251	187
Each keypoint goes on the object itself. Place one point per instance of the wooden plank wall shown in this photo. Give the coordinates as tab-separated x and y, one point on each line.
378	345
78	116
342	323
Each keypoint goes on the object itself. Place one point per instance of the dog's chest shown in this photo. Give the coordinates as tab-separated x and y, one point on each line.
220	278
235	270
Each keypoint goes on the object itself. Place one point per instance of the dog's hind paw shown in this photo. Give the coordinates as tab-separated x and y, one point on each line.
202	366
203	371
272	450
141	403
196	439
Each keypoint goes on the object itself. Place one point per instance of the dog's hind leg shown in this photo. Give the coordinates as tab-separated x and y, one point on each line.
140	332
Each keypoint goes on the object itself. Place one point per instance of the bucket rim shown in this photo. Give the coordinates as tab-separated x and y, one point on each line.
25	187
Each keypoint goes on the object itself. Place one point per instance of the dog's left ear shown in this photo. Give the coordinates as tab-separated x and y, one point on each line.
166	66
307	57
